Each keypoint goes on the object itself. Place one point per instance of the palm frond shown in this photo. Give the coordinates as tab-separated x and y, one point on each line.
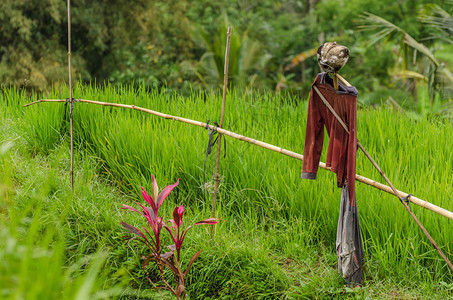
246	57
369	21
410	74
420	48
438	76
437	17
446	110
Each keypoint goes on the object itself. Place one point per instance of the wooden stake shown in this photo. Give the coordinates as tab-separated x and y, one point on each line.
219	141
71	107
338	76
335	81
417	201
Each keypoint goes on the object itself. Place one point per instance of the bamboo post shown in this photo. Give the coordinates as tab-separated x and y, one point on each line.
219	141
335	81
338	76
71	100
417	201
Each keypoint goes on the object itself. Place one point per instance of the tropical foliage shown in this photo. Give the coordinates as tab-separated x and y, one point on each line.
180	44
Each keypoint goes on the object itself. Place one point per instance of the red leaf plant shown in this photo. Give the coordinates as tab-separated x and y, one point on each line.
153	240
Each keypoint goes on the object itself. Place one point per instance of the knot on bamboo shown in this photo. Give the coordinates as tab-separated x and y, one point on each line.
406	199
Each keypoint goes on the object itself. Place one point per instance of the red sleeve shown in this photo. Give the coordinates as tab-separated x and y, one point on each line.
314	138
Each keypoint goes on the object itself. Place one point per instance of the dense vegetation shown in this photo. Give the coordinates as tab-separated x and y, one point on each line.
180	44
278	237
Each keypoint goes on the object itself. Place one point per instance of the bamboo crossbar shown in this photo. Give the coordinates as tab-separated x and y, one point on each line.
417	201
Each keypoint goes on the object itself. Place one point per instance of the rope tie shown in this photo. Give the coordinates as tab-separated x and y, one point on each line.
406	199
71	109
213	137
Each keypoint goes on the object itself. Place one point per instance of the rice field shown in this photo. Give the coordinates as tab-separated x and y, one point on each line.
278	237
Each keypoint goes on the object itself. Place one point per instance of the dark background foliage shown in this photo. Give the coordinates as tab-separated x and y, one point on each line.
180	44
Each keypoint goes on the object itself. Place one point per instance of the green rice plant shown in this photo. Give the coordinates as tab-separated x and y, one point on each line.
33	249
45	126
34	268
261	191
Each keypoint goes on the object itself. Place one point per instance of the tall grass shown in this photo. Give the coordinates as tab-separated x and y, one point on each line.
34	214
262	196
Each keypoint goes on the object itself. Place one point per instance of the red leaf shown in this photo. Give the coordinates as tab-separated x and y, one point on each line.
178	212
191	262
133	230
155	188
167	190
167	255
129	208
137	232
149	200
210	221
150	217
179	290
170	265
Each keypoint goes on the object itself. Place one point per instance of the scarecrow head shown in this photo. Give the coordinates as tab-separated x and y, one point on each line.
332	57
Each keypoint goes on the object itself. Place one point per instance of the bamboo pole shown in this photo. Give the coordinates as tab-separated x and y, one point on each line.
219	141
394	190
71	100
417	201
338	76
335	81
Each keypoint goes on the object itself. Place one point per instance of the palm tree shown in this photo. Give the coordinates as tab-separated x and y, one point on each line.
247	58
430	70
437	17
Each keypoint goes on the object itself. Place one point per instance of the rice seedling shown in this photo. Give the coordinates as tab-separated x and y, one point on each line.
279	234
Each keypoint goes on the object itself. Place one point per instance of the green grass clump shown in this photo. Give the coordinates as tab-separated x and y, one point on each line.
35	230
278	237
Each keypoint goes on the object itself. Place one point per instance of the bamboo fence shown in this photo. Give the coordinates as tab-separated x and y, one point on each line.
417	201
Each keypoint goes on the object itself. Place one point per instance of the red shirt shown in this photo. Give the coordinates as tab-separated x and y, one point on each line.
342	149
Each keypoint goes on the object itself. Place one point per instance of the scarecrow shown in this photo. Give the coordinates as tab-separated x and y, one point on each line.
334	106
